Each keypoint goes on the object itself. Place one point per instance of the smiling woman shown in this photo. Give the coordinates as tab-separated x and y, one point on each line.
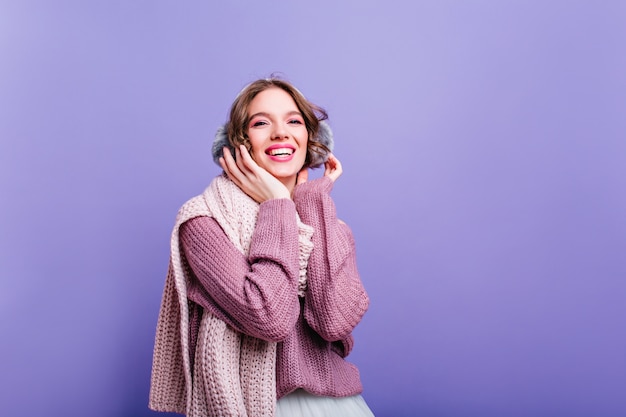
277	135
263	291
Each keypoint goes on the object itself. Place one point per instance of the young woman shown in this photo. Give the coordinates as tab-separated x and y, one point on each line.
263	291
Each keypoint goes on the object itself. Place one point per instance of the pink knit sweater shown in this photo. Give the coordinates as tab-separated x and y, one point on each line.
257	295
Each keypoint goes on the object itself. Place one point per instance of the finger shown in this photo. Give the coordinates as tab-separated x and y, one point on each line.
230	166
333	168
329	164
239	161
338	166
223	164
227	170
246	159
226	161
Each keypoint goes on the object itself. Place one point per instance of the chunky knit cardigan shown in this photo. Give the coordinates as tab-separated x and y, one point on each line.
231	374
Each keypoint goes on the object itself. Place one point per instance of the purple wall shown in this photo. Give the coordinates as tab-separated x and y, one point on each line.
484	146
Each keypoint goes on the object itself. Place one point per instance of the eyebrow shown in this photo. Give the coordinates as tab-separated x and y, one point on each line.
291	113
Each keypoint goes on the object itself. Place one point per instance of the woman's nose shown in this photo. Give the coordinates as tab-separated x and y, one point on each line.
279	132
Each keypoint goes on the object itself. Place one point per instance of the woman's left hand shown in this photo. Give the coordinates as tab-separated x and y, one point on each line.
333	169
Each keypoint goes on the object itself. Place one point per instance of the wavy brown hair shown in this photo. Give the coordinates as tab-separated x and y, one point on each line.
237	125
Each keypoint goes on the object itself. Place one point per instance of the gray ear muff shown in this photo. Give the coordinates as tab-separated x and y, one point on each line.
221	140
325	137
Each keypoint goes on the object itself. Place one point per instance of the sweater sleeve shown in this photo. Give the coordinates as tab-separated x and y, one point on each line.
335	300
255	294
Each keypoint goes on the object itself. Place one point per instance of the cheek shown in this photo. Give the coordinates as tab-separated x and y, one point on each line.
305	145
303	138
303	155
254	154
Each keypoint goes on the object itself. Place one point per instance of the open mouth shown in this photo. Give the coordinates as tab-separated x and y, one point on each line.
280	151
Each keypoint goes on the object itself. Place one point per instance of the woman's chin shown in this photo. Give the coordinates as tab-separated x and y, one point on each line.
284	176
286	171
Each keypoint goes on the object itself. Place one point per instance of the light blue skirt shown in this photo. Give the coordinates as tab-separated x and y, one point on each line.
302	404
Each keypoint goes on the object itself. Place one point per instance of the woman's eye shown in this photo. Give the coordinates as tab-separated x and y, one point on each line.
295	122
259	123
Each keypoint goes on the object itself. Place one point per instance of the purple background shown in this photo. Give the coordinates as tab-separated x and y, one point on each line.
484	146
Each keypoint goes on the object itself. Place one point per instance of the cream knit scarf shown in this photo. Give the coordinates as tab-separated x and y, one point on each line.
233	374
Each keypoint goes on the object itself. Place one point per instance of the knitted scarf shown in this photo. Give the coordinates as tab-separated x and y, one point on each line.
233	374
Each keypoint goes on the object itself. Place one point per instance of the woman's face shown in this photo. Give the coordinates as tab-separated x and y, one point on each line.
277	134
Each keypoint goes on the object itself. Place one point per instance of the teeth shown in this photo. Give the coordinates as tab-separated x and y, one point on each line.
281	151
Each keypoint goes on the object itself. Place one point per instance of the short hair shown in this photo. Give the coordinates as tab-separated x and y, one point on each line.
237	125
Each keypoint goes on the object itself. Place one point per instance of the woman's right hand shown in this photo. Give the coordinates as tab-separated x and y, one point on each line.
255	181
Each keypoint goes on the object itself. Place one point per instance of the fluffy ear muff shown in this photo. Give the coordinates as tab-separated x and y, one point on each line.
221	140
324	136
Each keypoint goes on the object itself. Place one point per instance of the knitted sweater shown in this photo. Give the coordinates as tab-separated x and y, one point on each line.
215	350
255	294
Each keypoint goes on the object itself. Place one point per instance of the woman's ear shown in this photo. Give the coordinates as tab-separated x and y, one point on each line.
221	140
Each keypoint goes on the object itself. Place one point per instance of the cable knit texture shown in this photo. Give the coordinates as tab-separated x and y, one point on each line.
210	368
